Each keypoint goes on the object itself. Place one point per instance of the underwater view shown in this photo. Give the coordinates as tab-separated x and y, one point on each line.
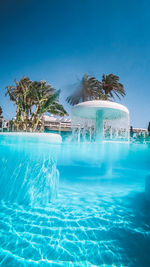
74	133
73	204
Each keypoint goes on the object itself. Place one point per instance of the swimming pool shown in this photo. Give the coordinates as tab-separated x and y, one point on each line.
73	204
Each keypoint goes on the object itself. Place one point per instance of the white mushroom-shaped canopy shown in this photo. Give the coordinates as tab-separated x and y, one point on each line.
110	110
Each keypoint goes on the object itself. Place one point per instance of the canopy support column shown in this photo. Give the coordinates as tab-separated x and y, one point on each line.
99	126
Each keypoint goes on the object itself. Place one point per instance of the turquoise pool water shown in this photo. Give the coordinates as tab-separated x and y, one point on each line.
73	204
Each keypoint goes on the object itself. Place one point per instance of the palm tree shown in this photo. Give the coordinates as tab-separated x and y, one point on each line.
92	89
88	89
111	86
45	98
1	111
19	94
33	99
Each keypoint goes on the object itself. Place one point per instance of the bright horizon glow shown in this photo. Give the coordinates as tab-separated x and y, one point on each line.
59	41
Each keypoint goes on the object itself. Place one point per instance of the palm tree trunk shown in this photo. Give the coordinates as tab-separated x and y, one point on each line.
84	96
42	125
36	124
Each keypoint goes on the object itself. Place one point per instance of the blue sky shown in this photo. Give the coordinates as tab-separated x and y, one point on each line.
60	40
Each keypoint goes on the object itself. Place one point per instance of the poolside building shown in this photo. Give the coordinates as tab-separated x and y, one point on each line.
52	123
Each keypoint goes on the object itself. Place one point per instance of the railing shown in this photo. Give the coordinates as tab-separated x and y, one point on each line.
58	126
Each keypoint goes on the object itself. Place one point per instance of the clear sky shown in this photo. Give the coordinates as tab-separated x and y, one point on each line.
60	40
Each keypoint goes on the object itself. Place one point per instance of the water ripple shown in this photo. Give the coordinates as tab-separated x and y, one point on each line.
108	231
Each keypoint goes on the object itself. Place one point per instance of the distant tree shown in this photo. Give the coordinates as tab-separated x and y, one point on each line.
149	128
131	131
33	99
1	111
92	89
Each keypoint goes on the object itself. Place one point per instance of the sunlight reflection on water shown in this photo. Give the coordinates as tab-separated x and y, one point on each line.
74	205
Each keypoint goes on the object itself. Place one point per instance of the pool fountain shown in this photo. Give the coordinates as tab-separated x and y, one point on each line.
98	120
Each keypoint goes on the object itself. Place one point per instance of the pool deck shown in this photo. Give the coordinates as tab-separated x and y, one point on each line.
56	138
